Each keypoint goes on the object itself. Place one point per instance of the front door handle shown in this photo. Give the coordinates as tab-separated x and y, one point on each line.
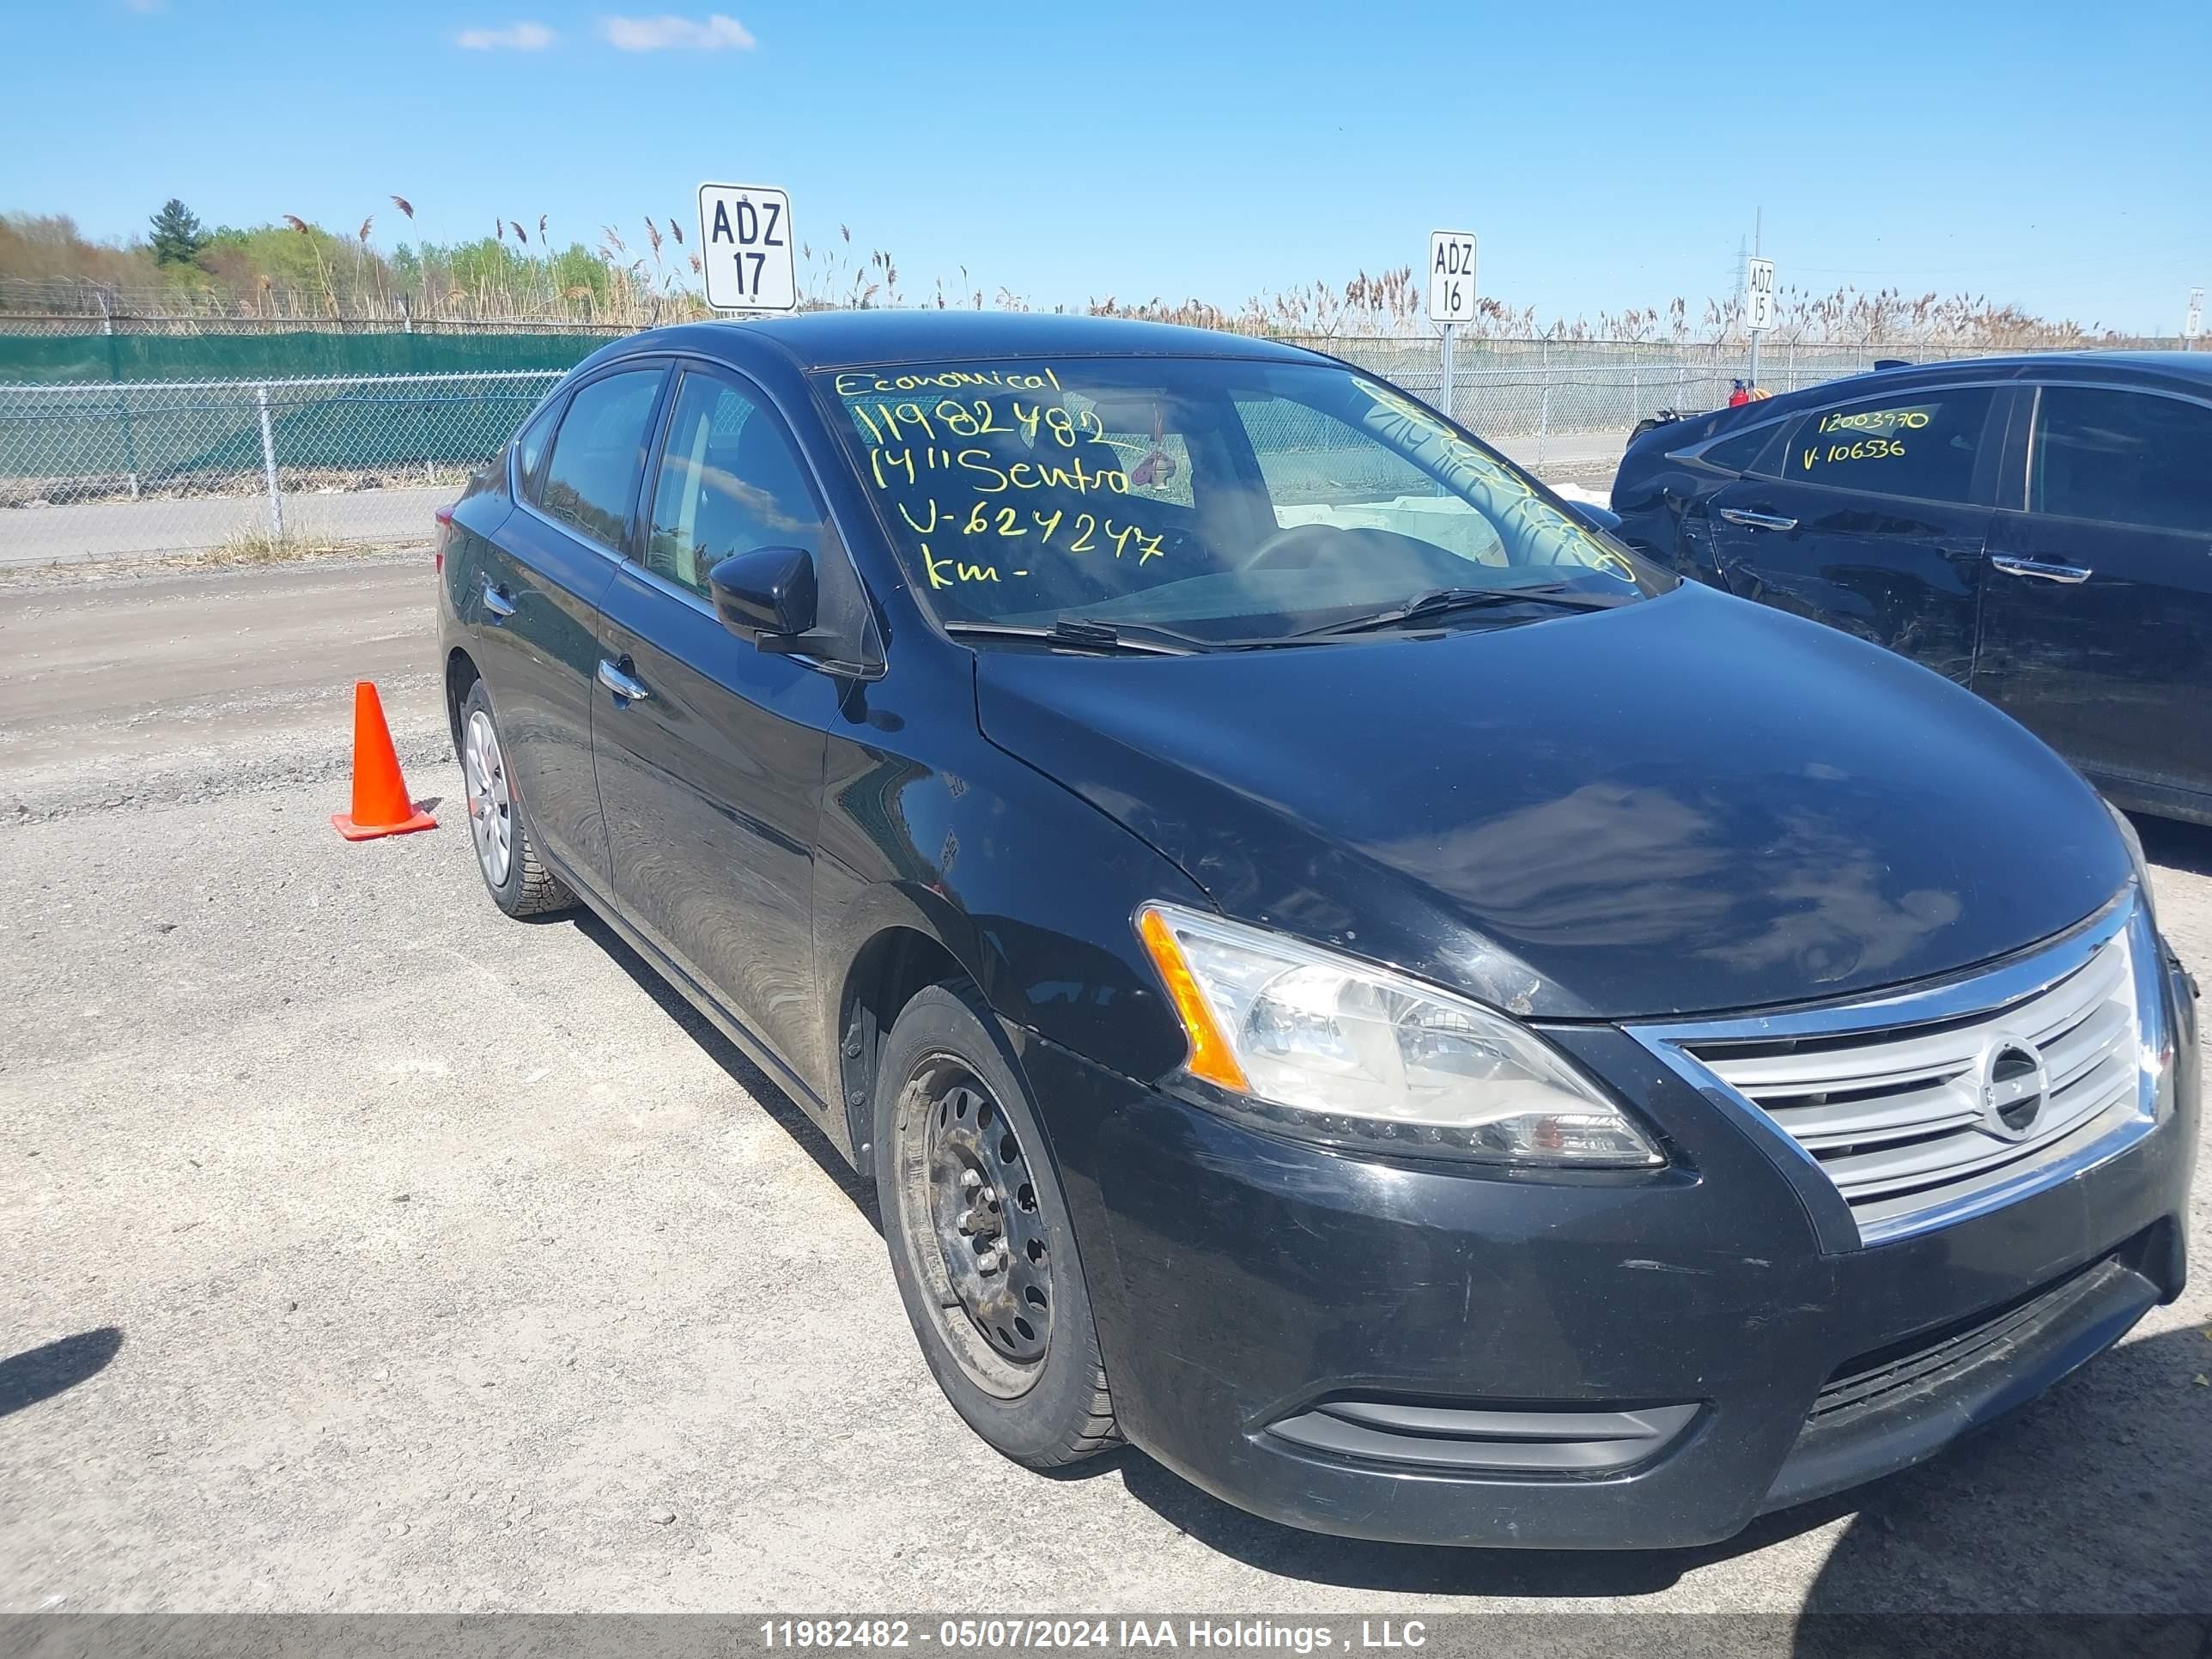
1757	521
496	604
617	679
2044	569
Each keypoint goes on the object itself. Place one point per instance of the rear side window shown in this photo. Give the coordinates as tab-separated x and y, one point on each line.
730	482
1758	451
1924	448
591	478
2122	457
529	447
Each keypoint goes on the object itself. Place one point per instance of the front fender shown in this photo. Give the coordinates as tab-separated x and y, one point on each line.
1028	889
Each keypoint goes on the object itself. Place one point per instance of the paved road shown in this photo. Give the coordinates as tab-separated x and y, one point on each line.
417	1259
108	530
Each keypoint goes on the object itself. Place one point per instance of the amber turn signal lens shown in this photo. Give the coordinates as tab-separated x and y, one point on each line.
1211	1057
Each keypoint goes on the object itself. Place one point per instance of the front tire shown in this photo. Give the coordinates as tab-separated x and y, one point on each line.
980	1241
506	851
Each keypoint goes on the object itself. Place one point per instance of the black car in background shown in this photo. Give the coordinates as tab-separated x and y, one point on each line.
2037	528
1342	976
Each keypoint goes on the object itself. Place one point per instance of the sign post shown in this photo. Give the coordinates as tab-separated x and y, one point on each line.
1451	293
744	247
2192	320
1758	306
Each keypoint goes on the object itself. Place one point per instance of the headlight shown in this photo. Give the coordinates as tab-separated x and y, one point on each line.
1309	1043
2142	865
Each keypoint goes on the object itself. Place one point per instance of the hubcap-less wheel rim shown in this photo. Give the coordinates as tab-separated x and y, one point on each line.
491	808
976	1233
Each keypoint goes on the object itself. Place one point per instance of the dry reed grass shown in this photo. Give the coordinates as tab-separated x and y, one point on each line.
312	277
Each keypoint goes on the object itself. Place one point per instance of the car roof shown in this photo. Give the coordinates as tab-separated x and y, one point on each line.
849	339
2192	369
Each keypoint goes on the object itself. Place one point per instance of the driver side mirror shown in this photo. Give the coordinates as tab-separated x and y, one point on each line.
1592	516
766	595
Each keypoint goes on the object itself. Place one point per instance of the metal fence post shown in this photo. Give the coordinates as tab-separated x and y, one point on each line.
269	466
129	443
1544	403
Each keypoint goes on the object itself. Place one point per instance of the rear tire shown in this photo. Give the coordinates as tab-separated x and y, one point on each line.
980	1241
507	850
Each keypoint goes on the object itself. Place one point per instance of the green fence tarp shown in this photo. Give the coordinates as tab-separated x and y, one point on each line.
50	359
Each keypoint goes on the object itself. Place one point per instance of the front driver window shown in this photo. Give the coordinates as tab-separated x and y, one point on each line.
730	482
2122	458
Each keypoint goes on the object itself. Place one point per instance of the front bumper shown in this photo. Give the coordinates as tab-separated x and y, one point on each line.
1301	1333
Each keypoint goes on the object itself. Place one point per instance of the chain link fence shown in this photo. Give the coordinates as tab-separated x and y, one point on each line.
93	470
96	470
1568	406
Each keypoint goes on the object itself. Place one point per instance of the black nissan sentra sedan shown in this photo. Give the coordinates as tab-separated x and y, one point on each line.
1344	975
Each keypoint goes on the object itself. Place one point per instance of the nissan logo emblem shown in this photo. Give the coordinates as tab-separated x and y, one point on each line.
2014	1086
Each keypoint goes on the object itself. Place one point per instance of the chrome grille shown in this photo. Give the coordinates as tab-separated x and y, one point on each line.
1920	1108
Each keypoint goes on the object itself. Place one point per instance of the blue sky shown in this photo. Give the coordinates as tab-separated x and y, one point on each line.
1607	156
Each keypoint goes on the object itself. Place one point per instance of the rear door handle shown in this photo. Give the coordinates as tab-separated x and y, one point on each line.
1756	520
2048	571
498	605
618	680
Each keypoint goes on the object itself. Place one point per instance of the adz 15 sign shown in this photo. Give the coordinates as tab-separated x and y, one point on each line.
1451	276
1758	294
744	247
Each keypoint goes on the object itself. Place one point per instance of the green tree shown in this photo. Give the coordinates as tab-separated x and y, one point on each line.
177	238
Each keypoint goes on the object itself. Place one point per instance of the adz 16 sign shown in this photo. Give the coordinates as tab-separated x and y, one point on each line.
744	247
1451	276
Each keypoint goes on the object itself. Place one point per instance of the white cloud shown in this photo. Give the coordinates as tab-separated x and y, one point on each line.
515	37
714	33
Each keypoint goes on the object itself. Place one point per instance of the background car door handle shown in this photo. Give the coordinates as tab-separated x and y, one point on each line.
498	605
618	680
1757	521
2069	574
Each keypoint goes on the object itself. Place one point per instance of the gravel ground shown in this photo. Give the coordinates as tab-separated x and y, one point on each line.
411	1258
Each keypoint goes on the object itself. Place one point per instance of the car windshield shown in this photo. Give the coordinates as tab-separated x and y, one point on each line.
1229	500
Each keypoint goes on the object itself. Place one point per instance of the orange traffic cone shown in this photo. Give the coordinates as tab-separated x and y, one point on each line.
381	805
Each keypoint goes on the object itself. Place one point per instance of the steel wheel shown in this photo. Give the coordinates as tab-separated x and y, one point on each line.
491	808
971	1211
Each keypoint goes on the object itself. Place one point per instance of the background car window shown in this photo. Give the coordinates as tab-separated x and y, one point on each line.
2122	457
1924	448
529	447
592	477
730	482
1320	470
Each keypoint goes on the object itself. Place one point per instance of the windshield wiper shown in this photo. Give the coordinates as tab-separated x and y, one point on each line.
1078	634
1442	601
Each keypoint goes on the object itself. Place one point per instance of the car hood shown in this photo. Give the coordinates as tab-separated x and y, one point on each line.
1686	805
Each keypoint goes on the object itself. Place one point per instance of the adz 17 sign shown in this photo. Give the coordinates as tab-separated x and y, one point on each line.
1451	276
744	247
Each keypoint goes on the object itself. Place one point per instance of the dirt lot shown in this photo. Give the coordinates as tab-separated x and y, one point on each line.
410	1258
